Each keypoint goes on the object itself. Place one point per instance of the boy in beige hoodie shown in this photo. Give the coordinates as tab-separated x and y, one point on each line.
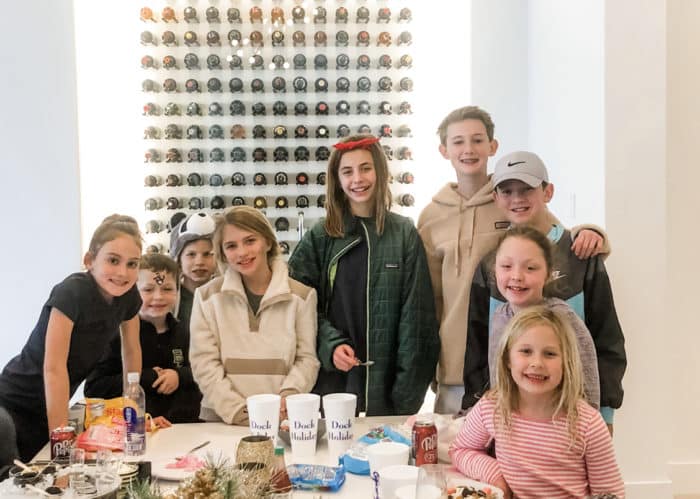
458	228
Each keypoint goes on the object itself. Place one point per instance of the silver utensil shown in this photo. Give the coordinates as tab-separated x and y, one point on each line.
203	444
365	364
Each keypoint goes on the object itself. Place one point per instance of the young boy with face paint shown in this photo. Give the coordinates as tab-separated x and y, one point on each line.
171	393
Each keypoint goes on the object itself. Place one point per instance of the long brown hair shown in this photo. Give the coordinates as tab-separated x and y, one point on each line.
337	206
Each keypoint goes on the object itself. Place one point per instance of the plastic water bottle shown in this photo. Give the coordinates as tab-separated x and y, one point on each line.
135	417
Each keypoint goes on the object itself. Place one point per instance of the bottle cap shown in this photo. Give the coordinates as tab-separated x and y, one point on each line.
133	377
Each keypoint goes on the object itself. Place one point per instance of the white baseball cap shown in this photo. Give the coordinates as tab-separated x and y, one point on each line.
520	165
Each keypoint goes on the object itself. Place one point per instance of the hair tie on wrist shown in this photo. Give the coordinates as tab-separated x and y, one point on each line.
356	144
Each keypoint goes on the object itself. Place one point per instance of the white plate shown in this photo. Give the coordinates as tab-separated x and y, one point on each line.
457	479
159	470
478	486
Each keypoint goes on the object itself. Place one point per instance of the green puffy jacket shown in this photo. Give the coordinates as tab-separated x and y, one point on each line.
402	329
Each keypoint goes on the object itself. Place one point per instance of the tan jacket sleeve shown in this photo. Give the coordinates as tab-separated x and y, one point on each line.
434	266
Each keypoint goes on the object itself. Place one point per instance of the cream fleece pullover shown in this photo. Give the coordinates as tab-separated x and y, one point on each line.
235	353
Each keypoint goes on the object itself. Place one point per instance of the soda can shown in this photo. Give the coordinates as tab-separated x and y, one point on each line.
425	441
62	440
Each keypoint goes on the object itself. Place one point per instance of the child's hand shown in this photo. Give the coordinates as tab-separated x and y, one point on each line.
588	243
283	409
167	382
344	357
161	422
501	484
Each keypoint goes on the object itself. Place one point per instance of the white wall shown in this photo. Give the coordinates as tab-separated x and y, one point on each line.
565	103
682	181
638	219
500	69
39	143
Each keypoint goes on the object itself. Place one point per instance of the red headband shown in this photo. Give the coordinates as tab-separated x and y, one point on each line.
356	144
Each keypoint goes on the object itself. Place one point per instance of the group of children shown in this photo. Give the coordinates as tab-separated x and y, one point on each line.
490	297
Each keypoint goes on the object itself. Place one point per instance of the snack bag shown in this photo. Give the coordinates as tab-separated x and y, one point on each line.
104	425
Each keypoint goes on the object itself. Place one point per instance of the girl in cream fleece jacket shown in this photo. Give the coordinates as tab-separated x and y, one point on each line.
253	330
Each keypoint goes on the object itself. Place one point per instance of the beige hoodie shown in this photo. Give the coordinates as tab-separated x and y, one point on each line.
457	234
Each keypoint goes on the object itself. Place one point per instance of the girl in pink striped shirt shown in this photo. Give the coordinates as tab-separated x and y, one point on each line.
548	441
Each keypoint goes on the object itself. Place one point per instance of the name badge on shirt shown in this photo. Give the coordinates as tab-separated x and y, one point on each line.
391	265
178	357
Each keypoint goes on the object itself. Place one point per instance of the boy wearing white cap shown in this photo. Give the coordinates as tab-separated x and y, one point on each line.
458	228
191	248
522	191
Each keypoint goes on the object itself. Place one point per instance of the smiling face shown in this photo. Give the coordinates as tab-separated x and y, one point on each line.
524	205
198	263
358	180
115	266
535	363
521	272
245	252
468	148
158	290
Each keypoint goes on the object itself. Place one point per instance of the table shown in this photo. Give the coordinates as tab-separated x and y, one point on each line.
167	443
174	441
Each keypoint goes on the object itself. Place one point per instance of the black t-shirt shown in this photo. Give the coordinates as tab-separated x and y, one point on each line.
185	310
167	350
95	324
348	312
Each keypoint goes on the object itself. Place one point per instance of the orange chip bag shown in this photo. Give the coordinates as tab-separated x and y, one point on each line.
104	425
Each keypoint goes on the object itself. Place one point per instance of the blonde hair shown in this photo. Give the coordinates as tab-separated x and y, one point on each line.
112	227
249	219
463	114
337	206
569	391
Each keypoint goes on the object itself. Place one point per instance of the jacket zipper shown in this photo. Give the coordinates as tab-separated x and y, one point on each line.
334	261
369	259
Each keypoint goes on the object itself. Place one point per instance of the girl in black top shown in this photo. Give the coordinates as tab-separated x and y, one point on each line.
83	313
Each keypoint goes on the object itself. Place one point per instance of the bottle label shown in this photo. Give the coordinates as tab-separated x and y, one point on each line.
135	432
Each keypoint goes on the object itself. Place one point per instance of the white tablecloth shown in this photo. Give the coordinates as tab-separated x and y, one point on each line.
168	443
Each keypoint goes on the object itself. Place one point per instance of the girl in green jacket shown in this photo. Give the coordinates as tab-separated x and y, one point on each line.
377	329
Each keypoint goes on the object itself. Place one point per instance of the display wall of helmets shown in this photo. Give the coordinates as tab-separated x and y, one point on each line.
244	99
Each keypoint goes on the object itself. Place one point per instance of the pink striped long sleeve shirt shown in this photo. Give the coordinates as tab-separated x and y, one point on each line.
535	457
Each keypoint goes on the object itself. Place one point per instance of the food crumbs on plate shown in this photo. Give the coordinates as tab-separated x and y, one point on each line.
188	463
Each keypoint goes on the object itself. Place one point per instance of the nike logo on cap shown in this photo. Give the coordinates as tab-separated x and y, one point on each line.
515	163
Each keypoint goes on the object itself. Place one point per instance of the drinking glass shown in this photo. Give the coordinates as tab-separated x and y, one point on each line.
432	481
77	477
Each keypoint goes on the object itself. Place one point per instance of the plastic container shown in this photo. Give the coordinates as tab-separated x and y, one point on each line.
135	417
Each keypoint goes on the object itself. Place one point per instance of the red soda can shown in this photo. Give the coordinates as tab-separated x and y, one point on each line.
425	441
62	440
